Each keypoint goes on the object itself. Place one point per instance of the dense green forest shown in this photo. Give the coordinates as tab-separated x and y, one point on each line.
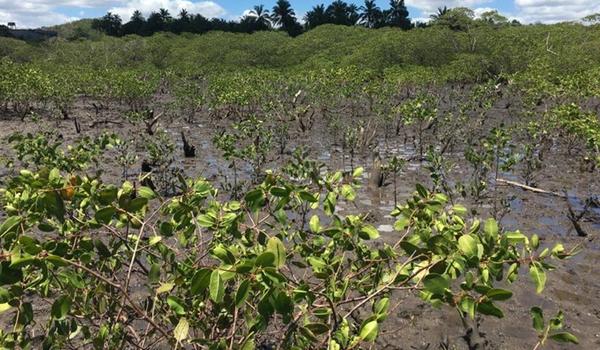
472	55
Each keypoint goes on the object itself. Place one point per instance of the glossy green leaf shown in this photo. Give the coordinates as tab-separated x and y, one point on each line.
176	304
488	308
467	244
538	276
369	232
266	259
217	287
369	330
105	215
275	246
537	317
564	337
435	283
242	293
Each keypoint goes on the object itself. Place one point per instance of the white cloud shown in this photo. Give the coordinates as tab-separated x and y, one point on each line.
207	9
481	10
551	11
32	14
430	6
38	13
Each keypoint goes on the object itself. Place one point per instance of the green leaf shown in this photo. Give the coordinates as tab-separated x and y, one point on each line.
154	273
491	228
54	205
146	192
435	283
499	294
176	305
488	308
467	305
283	304
5	307
200	281
368	232
369	330
381	306
275	246
206	220
255	198
57	260
181	331
5	296
401	223
516	237
10	225
54	176
467	244
165	288
316	262
315	224
421	190
317	328
61	307
154	240
248	344
217	287
45	227
348	192
535	241
105	215
459	210
223	254
136	204
537	317
242	293
306	196
564	337
266	259
279	192
538	276
107	195
358	172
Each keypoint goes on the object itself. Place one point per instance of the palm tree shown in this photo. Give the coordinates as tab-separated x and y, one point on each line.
283	13
370	15
137	16
441	12
284	16
184	15
261	16
342	13
353	14
397	15
316	17
165	16
135	25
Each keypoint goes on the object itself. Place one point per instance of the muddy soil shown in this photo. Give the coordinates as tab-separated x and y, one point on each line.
573	287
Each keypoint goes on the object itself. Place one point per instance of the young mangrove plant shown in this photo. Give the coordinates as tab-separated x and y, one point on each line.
120	267
420	112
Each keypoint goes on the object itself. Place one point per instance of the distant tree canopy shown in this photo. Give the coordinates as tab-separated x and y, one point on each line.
281	17
4	31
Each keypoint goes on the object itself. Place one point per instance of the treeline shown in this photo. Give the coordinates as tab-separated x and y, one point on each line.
437	51
283	17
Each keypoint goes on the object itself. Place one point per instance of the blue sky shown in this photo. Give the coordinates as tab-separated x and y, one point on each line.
35	13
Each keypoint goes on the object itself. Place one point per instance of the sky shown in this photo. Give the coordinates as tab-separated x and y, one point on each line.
37	13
